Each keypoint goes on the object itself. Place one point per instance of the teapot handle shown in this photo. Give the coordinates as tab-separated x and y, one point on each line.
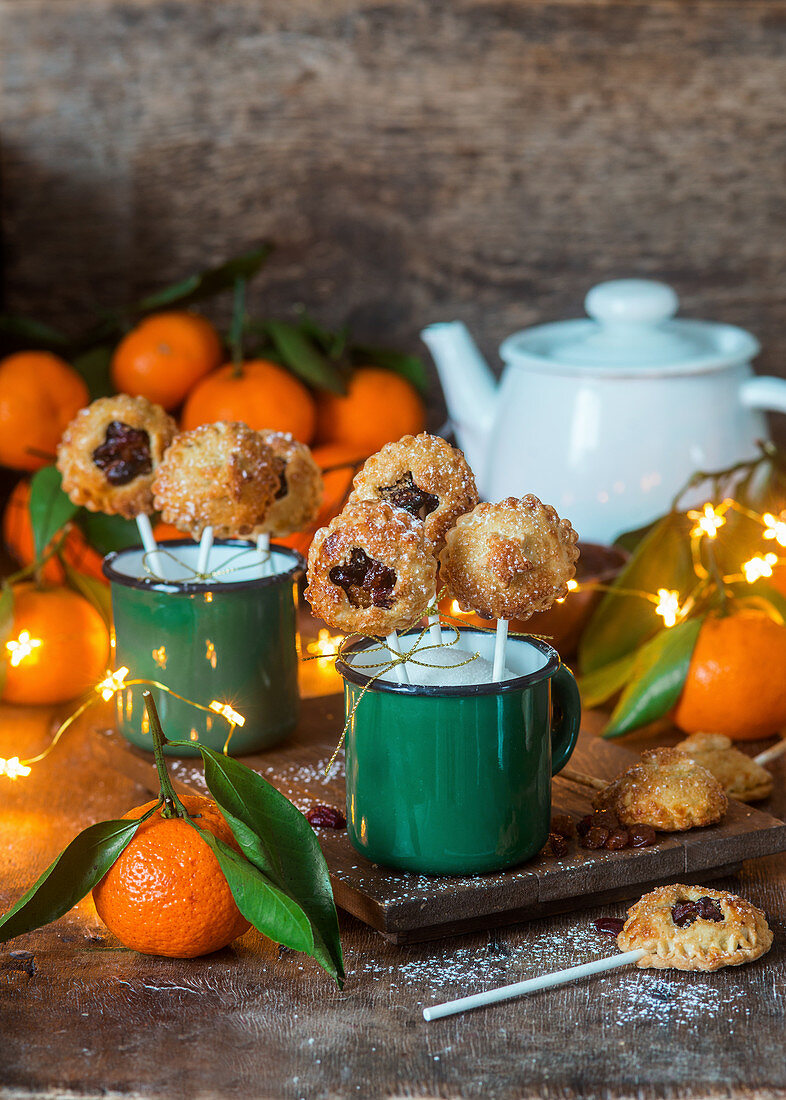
764	392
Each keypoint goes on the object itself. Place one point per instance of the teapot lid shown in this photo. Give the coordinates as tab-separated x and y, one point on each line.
631	327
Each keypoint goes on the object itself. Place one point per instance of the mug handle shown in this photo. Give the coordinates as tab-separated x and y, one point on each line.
565	723
764	392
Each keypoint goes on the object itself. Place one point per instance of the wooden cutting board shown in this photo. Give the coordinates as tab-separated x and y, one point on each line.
409	907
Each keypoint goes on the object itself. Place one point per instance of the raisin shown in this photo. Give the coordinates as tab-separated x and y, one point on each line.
686	912
405	494
641	836
124	454
327	817
618	838
563	824
585	824
612	926
596	838
558	845
604	819
365	580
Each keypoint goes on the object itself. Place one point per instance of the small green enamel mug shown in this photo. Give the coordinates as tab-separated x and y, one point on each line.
457	780
230	640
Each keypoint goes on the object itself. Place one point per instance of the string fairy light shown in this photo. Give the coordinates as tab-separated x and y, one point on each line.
325	646
21	647
759	566
668	606
710	520
775	527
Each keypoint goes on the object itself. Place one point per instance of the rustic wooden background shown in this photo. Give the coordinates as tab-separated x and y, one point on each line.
414	160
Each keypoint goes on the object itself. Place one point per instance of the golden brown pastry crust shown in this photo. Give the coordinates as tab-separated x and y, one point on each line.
434	467
509	560
386	535
85	482
301	482
740	776
666	790
741	936
220	475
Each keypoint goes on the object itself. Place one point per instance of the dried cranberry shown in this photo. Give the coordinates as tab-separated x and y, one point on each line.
606	819
558	845
365	580
612	926
686	912
641	836
618	839
596	838
124	454
410	497
585	824
328	817
563	824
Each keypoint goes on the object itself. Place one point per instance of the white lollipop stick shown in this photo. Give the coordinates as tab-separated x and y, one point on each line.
263	546
772	753
157	560
499	650
532	985
205	546
434	629
395	646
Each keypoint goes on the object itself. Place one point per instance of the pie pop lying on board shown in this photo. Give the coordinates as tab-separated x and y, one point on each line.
739	775
110	452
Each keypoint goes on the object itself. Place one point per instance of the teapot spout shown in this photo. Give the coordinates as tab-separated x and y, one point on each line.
469	388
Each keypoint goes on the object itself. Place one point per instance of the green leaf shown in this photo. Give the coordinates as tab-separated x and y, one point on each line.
259	900
657	680
93	590
621	623
303	357
94	366
763	595
72	875
598	686
279	841
50	508
6	624
107	533
31	333
207	283
408	366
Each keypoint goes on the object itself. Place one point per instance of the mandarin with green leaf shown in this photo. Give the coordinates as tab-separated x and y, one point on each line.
379	407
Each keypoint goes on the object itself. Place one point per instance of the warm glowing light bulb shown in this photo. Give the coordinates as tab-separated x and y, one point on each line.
21	647
325	646
13	768
759	566
668	606
775	527
112	683
708	521
228	712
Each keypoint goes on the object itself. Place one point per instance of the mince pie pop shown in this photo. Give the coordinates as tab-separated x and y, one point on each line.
110	452
740	776
425	477
695	928
222	476
299	493
509	560
370	571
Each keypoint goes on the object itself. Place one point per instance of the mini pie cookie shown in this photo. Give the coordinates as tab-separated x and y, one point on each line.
370	572
220	475
740	776
695	928
509	560
424	476
299	495
666	790
109	454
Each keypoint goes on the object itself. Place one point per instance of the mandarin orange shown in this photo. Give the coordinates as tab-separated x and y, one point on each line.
378	407
40	394
166	894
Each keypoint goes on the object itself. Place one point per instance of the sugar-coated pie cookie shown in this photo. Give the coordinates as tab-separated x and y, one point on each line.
424	476
666	790
740	776
299	493
371	571
220	475
695	928
509	560
110	451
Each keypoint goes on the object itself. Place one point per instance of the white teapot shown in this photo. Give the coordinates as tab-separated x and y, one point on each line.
606	418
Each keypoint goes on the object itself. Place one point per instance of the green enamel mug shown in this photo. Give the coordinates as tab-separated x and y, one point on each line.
229	640
457	780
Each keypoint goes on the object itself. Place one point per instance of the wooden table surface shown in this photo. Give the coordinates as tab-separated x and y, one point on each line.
87	1017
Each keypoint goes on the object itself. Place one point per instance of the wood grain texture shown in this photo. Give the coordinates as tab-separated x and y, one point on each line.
97	1020
415	160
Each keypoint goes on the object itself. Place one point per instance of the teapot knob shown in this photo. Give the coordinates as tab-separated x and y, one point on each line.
631	302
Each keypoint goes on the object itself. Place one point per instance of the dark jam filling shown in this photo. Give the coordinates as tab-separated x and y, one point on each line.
124	454
686	912
410	497
283	488
611	926
366	581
